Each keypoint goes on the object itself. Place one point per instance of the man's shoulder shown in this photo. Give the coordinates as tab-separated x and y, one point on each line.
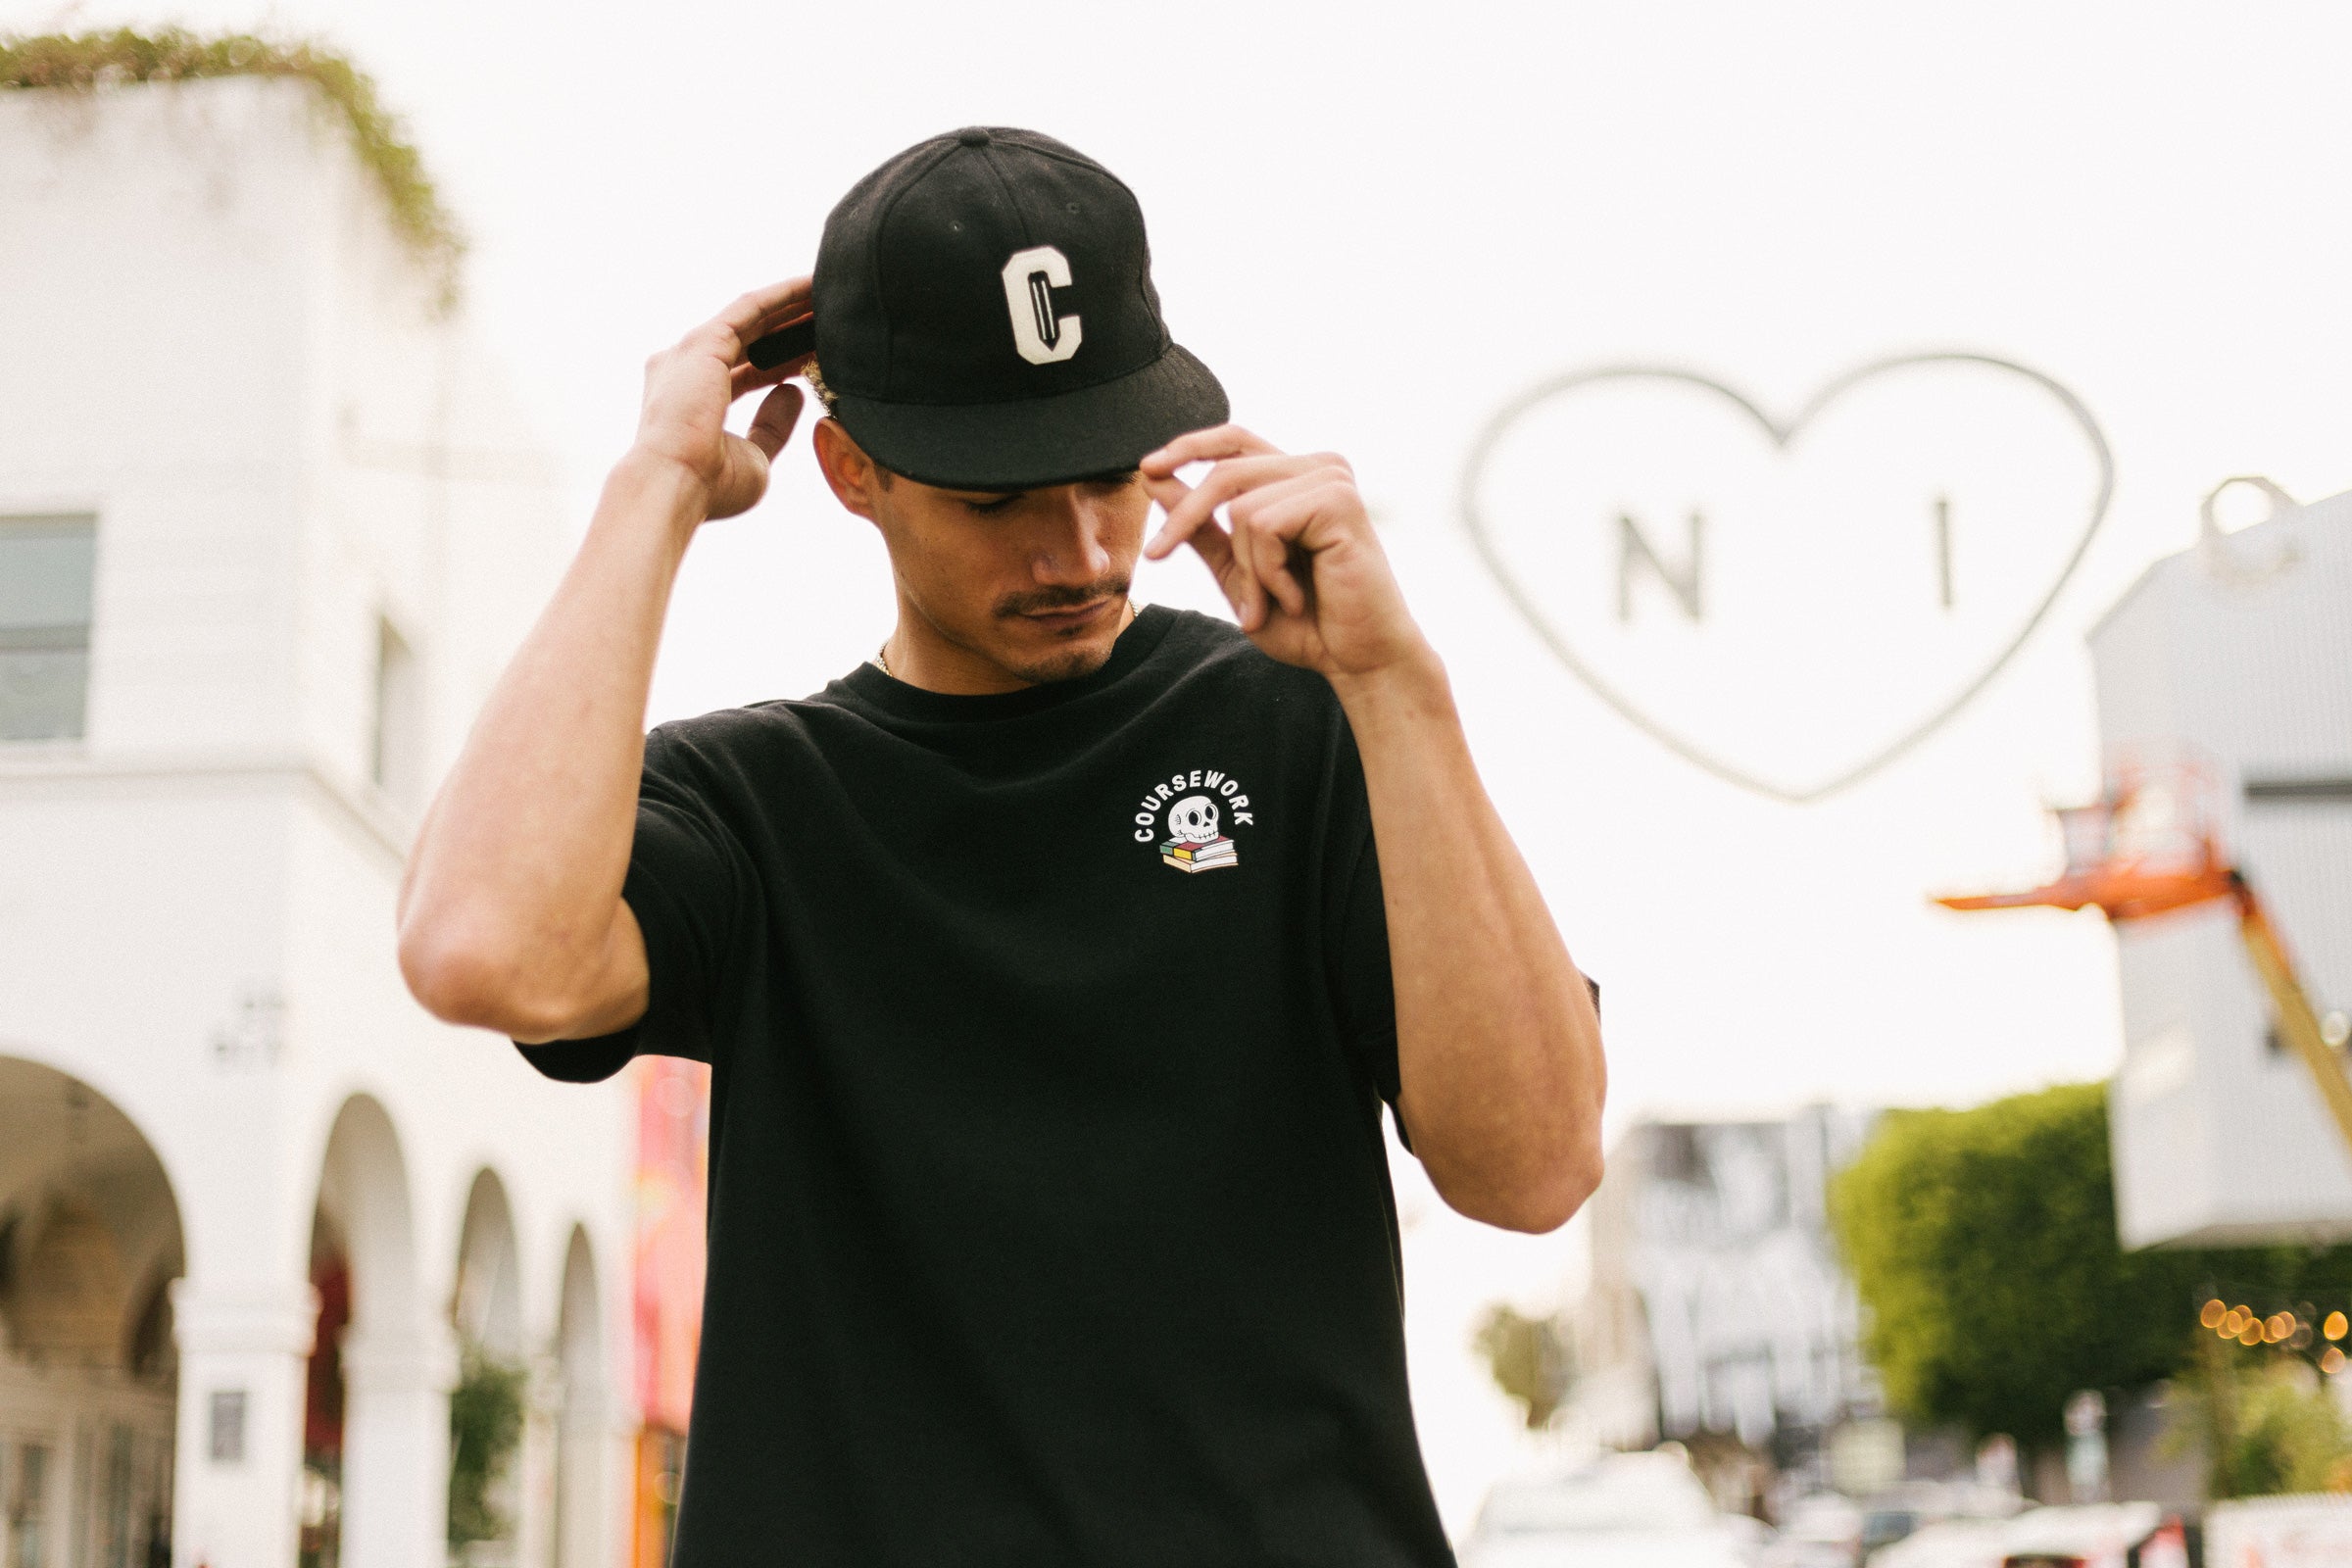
1208	648
730	736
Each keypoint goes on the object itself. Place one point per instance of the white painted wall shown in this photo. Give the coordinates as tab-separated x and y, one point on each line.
217	346
2245	661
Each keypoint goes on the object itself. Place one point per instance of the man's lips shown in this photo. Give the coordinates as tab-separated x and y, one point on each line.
1066	619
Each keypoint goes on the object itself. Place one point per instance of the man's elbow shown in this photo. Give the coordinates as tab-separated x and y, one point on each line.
1551	1198
448	975
1539	1197
460	977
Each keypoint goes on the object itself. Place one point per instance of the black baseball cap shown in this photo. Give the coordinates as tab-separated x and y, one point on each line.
985	317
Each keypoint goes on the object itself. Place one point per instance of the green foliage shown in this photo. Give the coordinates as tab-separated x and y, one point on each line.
485	1428
2289	1438
1529	1359
84	60
1983	1244
2269	1427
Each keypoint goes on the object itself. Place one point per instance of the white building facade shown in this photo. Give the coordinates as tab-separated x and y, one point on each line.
2234	659
269	528
1717	1304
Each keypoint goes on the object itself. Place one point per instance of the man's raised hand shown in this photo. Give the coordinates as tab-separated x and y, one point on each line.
690	386
1301	565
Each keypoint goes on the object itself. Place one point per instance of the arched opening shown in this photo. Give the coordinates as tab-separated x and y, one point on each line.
580	1412
90	1242
487	1311
371	1433
486	1408
322	1405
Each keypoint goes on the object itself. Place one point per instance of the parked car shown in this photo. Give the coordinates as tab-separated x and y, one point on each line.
1616	1510
1897	1514
2114	1535
1948	1543
1829	1530
1823	1530
2107	1535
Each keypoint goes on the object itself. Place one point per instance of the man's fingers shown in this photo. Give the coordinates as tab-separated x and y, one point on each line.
1171	494
1210	542
1270	523
1214	546
1231	478
1238	578
1275	568
1276	536
1208	446
1266	501
727	335
1226	482
1273	499
1234	577
772	426
763	304
1268	556
749	377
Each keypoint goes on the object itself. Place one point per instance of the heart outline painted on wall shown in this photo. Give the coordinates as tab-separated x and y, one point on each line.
1783	434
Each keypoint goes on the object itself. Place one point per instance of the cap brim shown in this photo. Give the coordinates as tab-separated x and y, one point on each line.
1105	429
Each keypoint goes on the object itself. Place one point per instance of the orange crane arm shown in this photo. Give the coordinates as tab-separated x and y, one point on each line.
2297	1019
2127	892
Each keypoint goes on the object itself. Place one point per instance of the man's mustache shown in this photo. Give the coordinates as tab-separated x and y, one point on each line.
1045	601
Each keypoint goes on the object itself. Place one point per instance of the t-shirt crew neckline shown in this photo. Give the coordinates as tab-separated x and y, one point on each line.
870	687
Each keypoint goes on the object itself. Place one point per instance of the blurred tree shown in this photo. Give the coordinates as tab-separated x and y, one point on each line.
1528	1358
1983	1244
2281	1433
485	1429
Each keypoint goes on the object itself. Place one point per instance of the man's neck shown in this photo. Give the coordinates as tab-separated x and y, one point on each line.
918	653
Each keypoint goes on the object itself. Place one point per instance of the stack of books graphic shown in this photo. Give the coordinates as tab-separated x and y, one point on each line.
1209	856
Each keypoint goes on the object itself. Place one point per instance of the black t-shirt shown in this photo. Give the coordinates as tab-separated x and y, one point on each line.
1050	1216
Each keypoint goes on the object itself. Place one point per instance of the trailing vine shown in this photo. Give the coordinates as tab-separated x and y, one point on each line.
86	61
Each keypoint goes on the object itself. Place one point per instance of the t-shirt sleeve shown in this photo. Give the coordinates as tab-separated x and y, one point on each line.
1363	991
687	880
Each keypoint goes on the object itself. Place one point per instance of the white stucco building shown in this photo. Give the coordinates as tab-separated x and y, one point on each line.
269	526
1717	1304
2235	659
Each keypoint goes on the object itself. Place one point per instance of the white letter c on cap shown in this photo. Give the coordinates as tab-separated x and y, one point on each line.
1030	280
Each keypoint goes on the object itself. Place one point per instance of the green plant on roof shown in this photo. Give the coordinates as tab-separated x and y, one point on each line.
84	60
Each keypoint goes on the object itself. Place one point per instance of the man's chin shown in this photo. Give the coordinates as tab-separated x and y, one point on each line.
1073	662
1059	659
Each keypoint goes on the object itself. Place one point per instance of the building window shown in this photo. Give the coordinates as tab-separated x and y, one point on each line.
396	759
47	567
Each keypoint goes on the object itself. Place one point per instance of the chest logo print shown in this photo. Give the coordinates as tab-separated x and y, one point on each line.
1197	806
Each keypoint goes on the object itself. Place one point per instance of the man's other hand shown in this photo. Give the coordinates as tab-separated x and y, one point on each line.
690	386
1301	565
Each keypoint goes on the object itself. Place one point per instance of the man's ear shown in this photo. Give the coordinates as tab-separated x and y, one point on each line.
846	467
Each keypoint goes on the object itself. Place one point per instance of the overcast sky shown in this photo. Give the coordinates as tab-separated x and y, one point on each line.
1380	222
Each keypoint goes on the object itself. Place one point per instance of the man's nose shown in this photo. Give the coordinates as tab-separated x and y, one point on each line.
1072	551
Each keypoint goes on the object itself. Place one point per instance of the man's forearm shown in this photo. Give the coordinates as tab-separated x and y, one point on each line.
1498	1042
510	903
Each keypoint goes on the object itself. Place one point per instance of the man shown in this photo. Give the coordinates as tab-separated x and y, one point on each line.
1049	979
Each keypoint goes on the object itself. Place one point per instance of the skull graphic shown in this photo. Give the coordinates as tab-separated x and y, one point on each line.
1193	819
